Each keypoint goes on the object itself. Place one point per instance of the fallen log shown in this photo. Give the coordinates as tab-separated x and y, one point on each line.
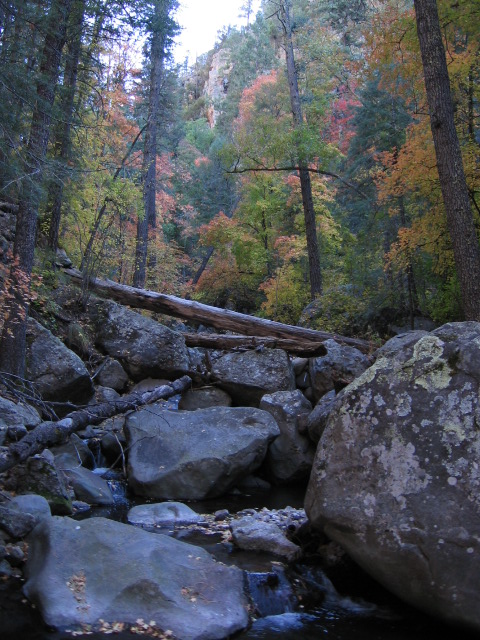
48	434
215	341
197	312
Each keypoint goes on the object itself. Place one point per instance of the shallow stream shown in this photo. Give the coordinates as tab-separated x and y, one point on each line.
355	610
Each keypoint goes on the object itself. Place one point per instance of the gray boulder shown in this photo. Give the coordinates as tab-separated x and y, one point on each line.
317	420
290	456
57	372
253	534
337	368
204	398
14	414
31	503
39	475
163	514
111	374
183	455
396	480
98	569
87	486
145	348
17	524
249	375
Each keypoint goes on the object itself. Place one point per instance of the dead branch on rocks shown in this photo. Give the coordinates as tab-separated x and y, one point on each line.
48	434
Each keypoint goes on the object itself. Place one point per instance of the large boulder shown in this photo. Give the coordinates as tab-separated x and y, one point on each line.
57	372
249	375
290	456
194	455
396	480
144	348
336	369
98	569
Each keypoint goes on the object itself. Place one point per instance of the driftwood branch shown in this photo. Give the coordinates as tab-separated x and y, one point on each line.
304	349
48	434
222	319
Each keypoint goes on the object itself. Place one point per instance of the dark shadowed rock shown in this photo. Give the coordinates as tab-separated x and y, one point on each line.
396	480
57	372
336	369
112	375
195	454
145	348
317	420
143	575
249	375
40	475
290	456
204	398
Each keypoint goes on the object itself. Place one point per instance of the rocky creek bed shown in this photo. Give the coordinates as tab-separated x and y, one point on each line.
385	449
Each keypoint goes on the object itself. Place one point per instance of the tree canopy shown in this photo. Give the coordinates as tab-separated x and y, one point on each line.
300	170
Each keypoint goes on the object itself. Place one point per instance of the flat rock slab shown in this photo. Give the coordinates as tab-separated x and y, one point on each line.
98	569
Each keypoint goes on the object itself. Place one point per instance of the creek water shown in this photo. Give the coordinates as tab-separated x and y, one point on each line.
355	610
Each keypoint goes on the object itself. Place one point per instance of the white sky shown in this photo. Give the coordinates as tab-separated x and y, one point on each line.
201	20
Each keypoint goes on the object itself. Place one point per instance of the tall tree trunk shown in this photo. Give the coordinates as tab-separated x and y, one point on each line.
458	209
306	187
63	138
13	343
157	57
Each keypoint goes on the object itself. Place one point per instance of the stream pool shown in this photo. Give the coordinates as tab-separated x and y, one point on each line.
355	610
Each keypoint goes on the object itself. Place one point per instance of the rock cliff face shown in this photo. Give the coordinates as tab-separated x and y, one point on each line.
217	84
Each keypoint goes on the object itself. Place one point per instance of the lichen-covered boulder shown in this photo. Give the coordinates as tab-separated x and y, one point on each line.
144	348
396	479
249	375
193	455
57	372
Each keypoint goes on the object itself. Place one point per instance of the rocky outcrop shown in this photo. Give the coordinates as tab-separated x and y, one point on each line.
247	376
58	373
143	575
195	454
143	347
396	480
290	456
217	84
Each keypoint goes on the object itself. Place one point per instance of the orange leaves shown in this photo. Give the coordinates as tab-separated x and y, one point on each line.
217	232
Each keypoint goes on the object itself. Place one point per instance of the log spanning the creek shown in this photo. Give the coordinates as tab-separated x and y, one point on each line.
47	434
304	349
222	319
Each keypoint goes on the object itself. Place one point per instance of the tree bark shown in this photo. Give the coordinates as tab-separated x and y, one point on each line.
63	137
13	343
219	318
48	434
458	209
315	270
148	221
304	349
